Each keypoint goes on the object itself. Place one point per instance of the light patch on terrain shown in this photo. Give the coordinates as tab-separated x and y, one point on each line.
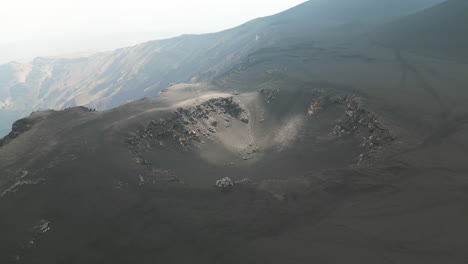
233	142
152	87
23	72
19	182
86	98
6	103
201	99
288	132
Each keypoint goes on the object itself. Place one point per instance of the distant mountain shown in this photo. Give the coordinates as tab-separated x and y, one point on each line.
110	79
68	43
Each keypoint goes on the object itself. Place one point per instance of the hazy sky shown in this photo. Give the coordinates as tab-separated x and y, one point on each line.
28	19
31	28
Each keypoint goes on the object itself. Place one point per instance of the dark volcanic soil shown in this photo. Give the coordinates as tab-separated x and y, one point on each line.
349	151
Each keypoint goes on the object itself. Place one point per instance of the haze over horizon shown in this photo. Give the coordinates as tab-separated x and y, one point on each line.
53	27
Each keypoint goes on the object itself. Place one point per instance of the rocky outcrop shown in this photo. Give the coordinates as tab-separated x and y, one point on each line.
269	94
18	128
224	184
190	124
317	103
357	120
184	128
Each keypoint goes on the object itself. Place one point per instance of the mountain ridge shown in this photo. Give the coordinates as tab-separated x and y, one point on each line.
107	80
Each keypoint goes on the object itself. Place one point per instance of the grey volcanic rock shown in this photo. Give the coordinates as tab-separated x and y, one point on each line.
187	125
225	183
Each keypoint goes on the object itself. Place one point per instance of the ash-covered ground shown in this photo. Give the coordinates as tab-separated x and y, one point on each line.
344	150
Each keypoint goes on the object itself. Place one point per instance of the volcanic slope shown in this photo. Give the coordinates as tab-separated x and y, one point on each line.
109	79
439	31
340	151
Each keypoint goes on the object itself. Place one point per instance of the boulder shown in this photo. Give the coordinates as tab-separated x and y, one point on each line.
225	183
